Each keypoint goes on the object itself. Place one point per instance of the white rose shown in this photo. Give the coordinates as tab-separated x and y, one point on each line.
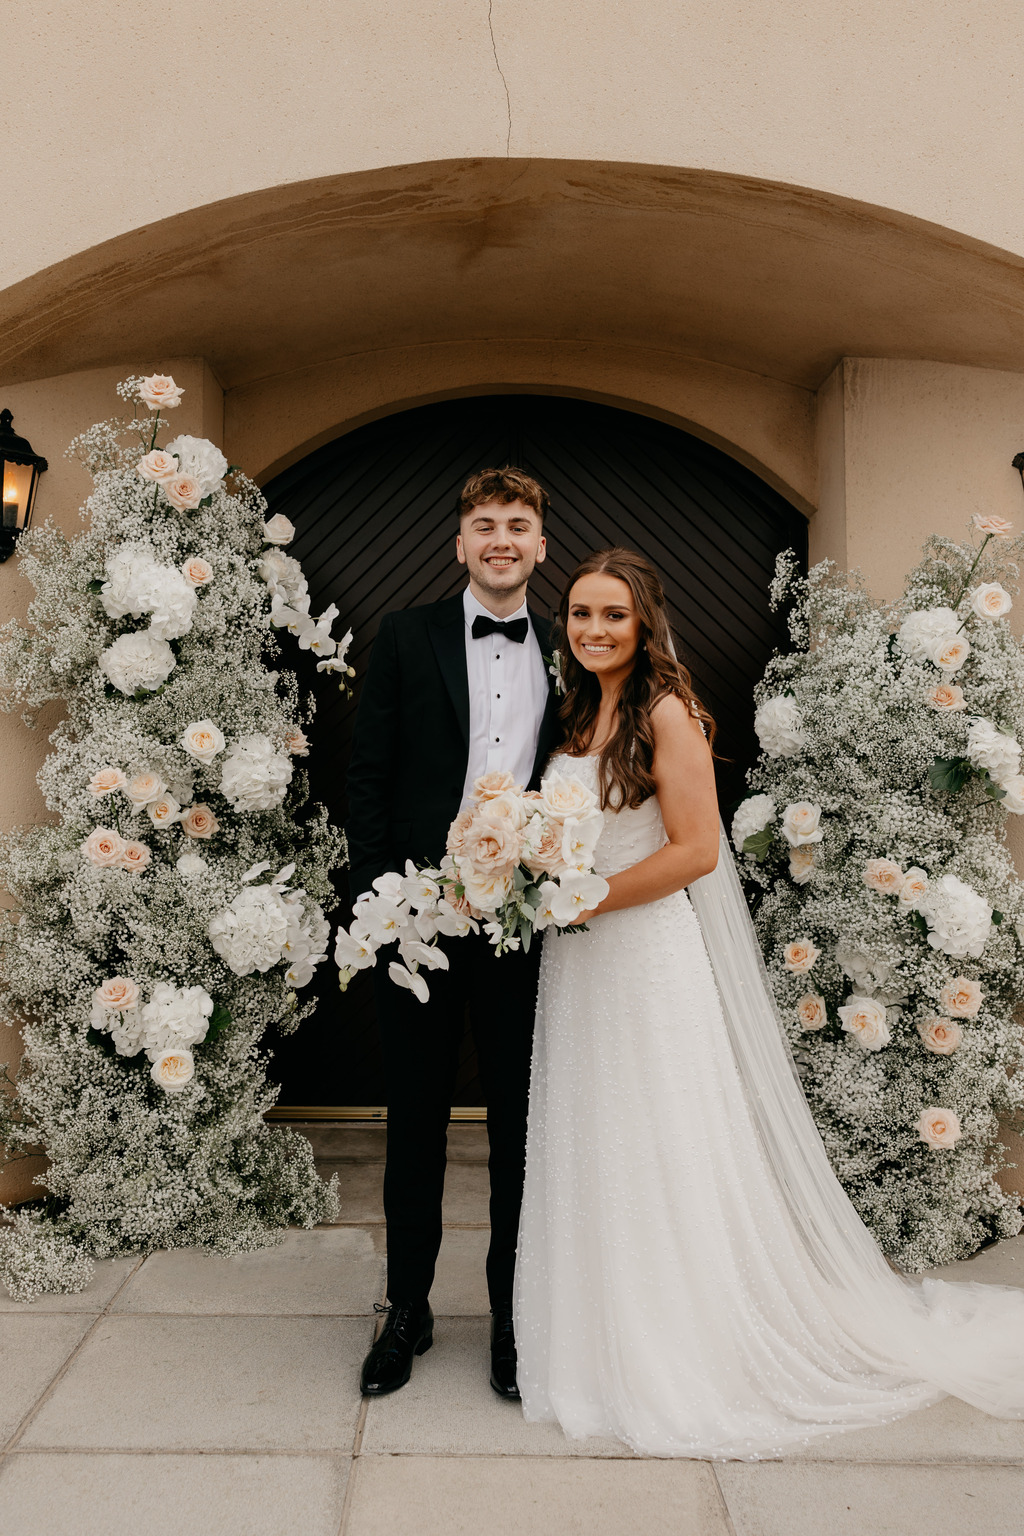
939	1128
200	459
992	749
991	601
175	1018
752	816
255	777
487	892
564	795
190	865
164	811
864	1019
914	887
800	823
250	932
116	995
949	652
105	780
920	630
139	660
202	740
173	1069
160	392
278	530
144	788
959	920
1013	800
780	727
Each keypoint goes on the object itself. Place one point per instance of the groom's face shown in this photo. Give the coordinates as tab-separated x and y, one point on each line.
500	543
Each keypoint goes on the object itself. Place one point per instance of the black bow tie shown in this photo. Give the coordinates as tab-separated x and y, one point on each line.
514	629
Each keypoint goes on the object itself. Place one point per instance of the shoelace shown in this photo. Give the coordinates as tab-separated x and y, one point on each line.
397	1316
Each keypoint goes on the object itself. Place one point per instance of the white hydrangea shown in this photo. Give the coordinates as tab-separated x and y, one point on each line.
250	933
200	459
959	920
753	816
990	748
780	727
255	775
174	1018
139	660
922	629
138	584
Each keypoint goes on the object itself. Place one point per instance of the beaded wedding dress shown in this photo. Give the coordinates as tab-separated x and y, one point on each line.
691	1279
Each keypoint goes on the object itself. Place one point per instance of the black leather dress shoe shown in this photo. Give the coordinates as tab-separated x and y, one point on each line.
503	1355
409	1331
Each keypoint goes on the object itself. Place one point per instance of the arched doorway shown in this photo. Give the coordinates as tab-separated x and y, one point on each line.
376	531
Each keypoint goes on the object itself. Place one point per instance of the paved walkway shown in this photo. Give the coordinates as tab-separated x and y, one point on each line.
200	1395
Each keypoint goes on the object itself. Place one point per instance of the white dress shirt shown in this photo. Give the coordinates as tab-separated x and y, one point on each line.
508	693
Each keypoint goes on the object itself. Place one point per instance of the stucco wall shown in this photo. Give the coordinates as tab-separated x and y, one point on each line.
121	116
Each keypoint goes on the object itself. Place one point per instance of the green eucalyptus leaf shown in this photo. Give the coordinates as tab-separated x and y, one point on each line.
948	775
758	844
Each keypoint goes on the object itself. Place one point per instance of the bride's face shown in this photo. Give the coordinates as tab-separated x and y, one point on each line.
603	626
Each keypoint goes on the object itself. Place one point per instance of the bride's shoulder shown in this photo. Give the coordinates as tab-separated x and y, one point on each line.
674	721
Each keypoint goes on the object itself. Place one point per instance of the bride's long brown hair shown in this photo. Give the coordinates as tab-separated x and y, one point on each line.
627	758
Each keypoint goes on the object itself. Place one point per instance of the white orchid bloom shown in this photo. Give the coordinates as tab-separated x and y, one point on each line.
386	921
291	617
420	891
579	839
577	893
416	984
317	637
389	885
414	952
543	916
254	870
354	950
454	925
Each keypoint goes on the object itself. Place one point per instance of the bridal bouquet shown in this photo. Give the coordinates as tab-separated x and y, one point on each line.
517	862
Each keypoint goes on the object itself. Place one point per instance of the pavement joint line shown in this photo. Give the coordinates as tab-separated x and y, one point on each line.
539	1457
357	1446
59	1375
722	1500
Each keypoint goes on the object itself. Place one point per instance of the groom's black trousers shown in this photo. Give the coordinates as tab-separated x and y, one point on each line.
420	1044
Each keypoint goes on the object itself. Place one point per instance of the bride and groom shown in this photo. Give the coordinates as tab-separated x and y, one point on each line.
678	1268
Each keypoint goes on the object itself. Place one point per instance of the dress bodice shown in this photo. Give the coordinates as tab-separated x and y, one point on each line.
627	836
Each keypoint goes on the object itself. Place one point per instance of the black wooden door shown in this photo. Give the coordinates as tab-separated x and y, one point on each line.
376	531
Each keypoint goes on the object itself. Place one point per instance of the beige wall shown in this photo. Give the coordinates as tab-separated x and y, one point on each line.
120	117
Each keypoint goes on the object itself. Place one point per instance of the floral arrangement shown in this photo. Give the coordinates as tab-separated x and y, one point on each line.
890	912
148	949
517	861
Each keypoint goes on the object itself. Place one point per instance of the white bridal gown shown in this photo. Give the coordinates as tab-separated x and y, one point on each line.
691	1277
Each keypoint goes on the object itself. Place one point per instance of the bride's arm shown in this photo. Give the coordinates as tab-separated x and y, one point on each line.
685	778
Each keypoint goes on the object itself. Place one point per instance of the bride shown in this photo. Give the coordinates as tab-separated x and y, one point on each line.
691	1278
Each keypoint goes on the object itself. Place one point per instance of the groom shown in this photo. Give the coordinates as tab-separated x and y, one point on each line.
453	690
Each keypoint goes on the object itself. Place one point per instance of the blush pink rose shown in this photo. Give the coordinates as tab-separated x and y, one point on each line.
136	856
160	392
945	697
998	526
940	1036
199	821
104	847
296	743
799	956
883	876
183	492
491	784
810	1012
164	811
961	998
455	843
542	848
491	848
197	572
118	994
939	1128
157	466
105	780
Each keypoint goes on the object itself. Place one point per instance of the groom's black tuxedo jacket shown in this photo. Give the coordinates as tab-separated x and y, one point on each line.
410	749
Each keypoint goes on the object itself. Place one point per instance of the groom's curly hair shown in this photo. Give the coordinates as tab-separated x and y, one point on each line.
502	485
627	758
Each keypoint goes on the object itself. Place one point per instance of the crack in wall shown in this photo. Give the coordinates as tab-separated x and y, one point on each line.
497	65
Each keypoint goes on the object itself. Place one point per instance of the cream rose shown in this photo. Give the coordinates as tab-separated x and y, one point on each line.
939	1128
864	1019
117	995
197	572
278	530
961	997
202	740
144	788
459	903
562	797
105	780
506	809
136	856
491	848
183	492
157	466
104	847
486	892
883	876
799	956
173	1069
998	527
801	862
296	743
914	887
199	821
940	1036
800	823
542	846
164	811
810	1012
160	392
945	697
455	843
991	601
950	652
490	785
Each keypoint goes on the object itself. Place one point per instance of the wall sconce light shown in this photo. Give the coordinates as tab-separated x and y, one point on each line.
1018	463
20	469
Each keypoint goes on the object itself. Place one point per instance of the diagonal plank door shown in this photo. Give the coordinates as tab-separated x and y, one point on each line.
376	532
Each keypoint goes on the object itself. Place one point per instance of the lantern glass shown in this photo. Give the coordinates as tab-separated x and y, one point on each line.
19	486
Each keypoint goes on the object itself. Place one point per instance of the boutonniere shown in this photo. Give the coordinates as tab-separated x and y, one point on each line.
554	666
